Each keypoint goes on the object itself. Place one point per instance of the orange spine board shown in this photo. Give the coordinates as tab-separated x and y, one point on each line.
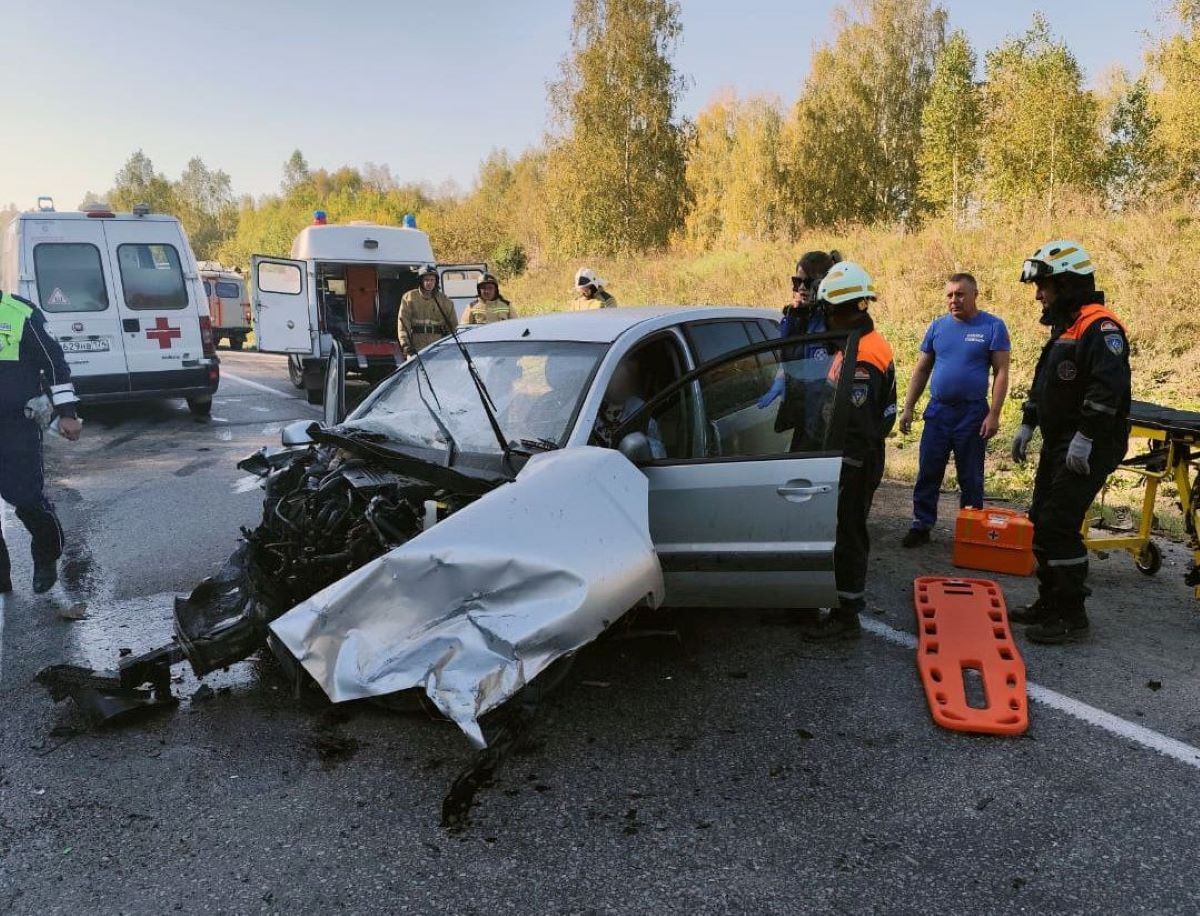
963	624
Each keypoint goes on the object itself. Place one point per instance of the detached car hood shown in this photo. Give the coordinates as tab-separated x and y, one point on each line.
474	608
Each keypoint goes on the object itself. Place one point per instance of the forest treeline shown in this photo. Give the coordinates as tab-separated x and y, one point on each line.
899	122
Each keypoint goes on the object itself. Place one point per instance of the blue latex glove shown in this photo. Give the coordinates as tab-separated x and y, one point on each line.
1020	443
775	391
1078	453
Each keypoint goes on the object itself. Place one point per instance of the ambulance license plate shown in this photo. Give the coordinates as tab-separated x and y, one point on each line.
84	346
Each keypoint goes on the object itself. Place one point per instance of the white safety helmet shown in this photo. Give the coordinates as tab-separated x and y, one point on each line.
585	276
847	282
1054	258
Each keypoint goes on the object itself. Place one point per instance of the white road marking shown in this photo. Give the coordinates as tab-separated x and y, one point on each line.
1114	725
267	388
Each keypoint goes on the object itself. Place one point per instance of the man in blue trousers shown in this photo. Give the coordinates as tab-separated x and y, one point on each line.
963	350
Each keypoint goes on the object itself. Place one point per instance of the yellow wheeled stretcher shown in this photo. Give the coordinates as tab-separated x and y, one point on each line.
1173	441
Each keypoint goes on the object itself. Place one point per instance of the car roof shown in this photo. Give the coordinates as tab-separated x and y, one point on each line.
606	325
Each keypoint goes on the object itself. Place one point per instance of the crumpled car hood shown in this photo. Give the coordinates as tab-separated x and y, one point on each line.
474	608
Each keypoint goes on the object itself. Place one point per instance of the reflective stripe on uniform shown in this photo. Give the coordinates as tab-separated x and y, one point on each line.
1111	411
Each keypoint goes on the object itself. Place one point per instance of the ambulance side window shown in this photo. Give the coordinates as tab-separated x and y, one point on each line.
70	277
152	277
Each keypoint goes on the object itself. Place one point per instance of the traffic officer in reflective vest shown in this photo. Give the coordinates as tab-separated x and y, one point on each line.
491	305
1080	399
846	293
426	314
31	363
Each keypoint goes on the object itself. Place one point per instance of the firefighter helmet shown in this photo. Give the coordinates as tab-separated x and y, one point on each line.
847	282
1054	258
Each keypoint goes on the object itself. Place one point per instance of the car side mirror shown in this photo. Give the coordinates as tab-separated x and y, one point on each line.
636	447
296	433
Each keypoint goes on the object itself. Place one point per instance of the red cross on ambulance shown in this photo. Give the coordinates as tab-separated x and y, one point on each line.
163	333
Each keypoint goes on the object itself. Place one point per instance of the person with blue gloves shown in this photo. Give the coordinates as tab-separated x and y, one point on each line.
963	350
799	410
1080	400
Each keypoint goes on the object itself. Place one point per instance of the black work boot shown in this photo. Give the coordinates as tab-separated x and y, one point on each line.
44	576
842	623
1038	612
916	537
1066	626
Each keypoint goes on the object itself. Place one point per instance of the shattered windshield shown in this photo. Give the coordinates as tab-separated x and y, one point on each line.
536	385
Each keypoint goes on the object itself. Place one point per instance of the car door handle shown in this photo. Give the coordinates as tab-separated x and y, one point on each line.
797	492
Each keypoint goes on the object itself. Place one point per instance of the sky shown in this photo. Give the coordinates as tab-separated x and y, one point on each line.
427	88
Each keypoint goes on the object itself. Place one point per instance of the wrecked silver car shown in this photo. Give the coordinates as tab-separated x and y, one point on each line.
503	498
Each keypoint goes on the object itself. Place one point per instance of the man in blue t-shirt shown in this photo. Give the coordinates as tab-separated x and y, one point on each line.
962	350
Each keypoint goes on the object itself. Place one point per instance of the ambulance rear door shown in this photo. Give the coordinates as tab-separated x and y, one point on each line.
68	272
459	282
284	319
159	300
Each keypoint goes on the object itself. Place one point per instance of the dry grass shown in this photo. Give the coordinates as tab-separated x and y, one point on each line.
1146	263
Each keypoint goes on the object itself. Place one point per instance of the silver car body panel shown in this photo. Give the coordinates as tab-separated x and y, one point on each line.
475	607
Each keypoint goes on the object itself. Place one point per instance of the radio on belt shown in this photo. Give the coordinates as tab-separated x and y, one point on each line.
998	540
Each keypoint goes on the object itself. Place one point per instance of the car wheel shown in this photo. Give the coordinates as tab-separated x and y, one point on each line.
296	371
236	343
200	406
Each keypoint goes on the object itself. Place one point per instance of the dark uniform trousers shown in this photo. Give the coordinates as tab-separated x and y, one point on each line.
1061	499
856	492
21	486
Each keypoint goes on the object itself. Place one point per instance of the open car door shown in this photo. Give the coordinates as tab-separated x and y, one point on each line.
743	499
283	319
459	282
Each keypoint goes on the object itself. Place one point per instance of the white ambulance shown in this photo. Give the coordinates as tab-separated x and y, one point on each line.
344	282
122	294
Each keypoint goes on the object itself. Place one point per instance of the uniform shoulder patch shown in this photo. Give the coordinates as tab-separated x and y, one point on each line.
1109	325
1115	343
858	395
861	373
1067	370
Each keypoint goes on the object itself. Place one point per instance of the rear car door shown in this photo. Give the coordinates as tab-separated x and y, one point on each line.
743	508
159	300
72	283
283	320
459	282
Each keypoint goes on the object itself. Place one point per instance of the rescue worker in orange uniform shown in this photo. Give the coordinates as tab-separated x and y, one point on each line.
425	314
1080	399
490	306
846	294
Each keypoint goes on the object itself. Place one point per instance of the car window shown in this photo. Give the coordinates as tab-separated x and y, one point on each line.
228	289
152	277
537	388
274	277
70	277
711	339
458	284
726	397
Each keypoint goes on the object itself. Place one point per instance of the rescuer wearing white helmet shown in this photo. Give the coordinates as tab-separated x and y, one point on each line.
590	292
846	293
1080	399
425	314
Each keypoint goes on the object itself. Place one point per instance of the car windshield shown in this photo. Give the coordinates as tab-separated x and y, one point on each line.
537	388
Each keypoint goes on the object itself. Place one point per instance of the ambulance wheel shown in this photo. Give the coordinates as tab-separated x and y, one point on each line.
296	371
201	406
1149	561
237	342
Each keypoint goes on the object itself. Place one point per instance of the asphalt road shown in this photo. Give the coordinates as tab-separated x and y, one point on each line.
723	766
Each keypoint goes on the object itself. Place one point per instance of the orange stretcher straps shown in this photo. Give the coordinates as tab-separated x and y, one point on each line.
962	627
